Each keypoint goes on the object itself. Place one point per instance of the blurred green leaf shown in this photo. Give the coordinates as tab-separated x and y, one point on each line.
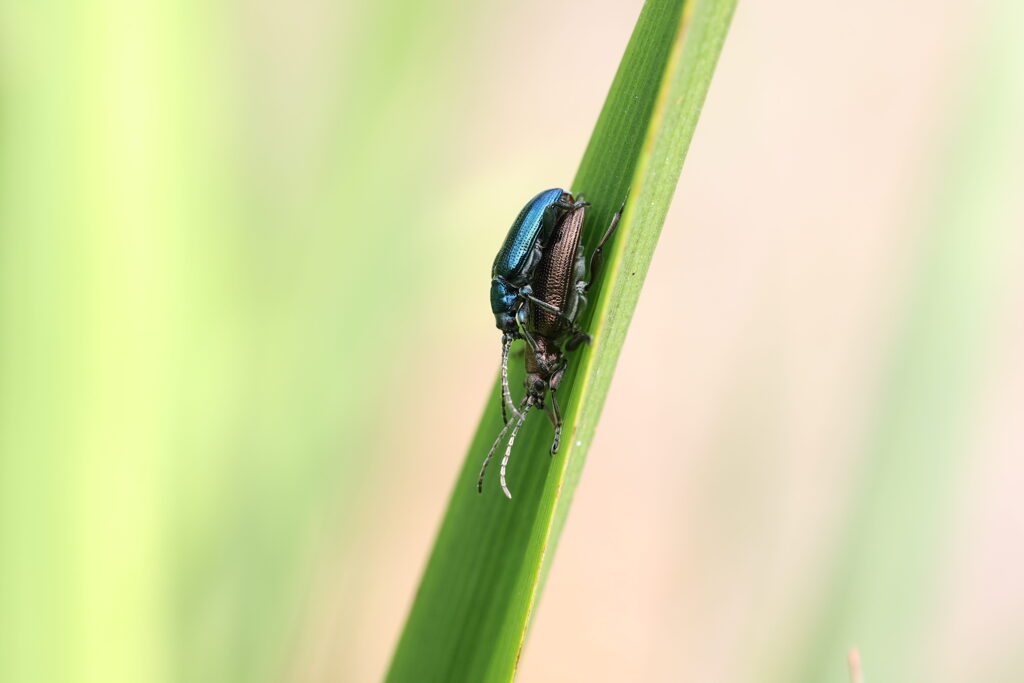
473	607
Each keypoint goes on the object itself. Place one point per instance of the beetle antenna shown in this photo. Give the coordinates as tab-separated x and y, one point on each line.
508	451
494	447
506	393
490	454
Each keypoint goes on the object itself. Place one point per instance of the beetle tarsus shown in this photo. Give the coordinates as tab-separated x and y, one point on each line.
577	340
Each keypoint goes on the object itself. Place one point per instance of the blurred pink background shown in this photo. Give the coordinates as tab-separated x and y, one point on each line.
711	534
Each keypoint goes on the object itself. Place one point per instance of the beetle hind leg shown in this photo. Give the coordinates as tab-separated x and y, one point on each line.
595	257
555	415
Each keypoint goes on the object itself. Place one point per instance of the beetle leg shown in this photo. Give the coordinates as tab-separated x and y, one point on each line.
522	316
552	309
543	304
579	336
547	411
577	340
572	206
556	379
595	258
557	422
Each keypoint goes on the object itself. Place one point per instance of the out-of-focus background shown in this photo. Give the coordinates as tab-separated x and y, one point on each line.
244	249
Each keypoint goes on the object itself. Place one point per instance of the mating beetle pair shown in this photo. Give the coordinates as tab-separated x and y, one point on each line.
538	284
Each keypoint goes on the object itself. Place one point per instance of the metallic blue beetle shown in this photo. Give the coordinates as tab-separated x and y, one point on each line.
513	270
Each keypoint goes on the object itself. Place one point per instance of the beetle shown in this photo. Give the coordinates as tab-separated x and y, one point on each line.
513	270
560	282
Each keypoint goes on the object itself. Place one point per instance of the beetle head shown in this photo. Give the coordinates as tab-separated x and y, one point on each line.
506	322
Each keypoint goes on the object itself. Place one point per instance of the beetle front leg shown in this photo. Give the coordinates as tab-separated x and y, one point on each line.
523	317
544	304
552	309
571	206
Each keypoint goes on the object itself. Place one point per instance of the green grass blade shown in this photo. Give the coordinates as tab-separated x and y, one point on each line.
469	618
